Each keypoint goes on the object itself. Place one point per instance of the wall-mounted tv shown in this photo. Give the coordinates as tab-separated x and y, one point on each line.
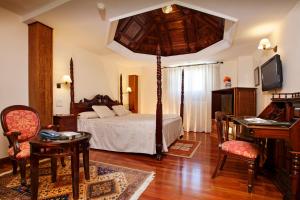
271	74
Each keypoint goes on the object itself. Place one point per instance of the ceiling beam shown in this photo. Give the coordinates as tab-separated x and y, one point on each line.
30	17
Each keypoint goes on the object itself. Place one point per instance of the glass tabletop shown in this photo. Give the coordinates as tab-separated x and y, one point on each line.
65	137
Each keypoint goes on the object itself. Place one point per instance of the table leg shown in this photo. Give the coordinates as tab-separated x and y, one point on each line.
53	169
86	161
75	171
34	173
295	175
227	127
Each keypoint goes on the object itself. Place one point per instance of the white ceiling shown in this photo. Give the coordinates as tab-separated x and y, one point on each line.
78	22
22	7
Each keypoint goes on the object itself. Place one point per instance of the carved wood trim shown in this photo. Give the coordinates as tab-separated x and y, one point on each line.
158	108
72	86
121	89
86	104
182	95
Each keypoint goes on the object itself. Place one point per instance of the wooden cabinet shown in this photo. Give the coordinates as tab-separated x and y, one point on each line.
133	95
65	122
40	71
234	101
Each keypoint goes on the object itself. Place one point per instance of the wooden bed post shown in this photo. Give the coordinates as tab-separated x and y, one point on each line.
158	109
182	95
121	89
72	87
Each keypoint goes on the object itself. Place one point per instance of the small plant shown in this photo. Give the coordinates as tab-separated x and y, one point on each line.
227	79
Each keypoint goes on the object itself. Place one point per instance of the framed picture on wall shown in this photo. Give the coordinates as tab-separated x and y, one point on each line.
256	77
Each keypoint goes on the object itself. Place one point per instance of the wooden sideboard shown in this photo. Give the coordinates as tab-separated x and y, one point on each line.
236	101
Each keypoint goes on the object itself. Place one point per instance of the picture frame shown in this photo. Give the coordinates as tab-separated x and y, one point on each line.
256	77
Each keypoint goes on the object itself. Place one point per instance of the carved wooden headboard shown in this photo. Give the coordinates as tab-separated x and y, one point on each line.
86	104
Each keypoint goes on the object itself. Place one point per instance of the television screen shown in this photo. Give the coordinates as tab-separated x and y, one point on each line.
271	74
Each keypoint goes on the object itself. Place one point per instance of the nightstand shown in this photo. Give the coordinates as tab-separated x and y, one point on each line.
65	122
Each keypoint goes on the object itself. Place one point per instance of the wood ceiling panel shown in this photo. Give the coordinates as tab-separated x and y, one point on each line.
182	31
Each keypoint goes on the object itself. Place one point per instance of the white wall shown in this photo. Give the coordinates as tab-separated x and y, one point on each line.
229	68
286	36
93	74
13	65
148	87
240	70
126	71
245	71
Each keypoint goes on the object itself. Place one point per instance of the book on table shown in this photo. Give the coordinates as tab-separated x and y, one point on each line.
266	122
54	135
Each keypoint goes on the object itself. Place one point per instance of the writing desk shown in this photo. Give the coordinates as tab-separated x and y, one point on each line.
283	152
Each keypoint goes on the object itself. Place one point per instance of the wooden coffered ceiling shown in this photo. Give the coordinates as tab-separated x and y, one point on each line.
182	31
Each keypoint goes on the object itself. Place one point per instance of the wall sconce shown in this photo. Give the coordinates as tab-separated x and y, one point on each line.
128	89
167	9
66	79
265	44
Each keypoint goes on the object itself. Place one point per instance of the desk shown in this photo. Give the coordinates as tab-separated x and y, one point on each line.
280	162
56	149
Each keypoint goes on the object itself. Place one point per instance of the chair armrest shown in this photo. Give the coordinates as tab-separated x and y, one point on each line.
13	140
16	133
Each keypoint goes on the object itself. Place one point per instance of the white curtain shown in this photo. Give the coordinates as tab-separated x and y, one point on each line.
199	81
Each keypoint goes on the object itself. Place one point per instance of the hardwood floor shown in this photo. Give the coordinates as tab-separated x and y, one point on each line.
183	178
188	179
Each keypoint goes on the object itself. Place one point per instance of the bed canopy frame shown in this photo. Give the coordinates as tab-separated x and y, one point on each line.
153	33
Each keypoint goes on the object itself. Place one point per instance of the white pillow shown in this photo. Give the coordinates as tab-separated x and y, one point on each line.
103	111
120	110
88	115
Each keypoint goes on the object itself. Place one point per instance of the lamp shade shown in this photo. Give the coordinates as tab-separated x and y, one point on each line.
66	79
128	89
264	44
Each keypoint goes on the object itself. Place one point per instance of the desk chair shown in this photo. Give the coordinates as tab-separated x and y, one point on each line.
241	150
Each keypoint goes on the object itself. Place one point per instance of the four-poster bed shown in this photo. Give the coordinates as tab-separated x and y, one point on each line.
110	133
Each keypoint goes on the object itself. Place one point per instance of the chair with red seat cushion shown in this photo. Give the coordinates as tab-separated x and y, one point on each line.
20	123
237	149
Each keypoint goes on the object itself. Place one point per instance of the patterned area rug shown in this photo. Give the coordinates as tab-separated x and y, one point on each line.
107	182
183	148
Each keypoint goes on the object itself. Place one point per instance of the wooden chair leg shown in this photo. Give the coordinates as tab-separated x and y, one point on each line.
22	164
86	163
62	161
15	166
256	166
223	162
218	165
251	168
53	169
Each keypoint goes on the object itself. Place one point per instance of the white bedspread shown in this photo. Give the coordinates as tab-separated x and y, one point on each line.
131	133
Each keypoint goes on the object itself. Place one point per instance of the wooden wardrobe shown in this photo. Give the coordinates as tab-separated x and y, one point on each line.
133	95
40	73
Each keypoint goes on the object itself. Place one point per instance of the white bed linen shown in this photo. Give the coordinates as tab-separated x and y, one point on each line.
133	133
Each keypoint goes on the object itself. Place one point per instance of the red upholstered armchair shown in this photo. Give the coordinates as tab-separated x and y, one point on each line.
241	150
20	123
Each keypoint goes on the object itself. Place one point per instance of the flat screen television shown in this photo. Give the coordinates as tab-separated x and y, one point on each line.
271	74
